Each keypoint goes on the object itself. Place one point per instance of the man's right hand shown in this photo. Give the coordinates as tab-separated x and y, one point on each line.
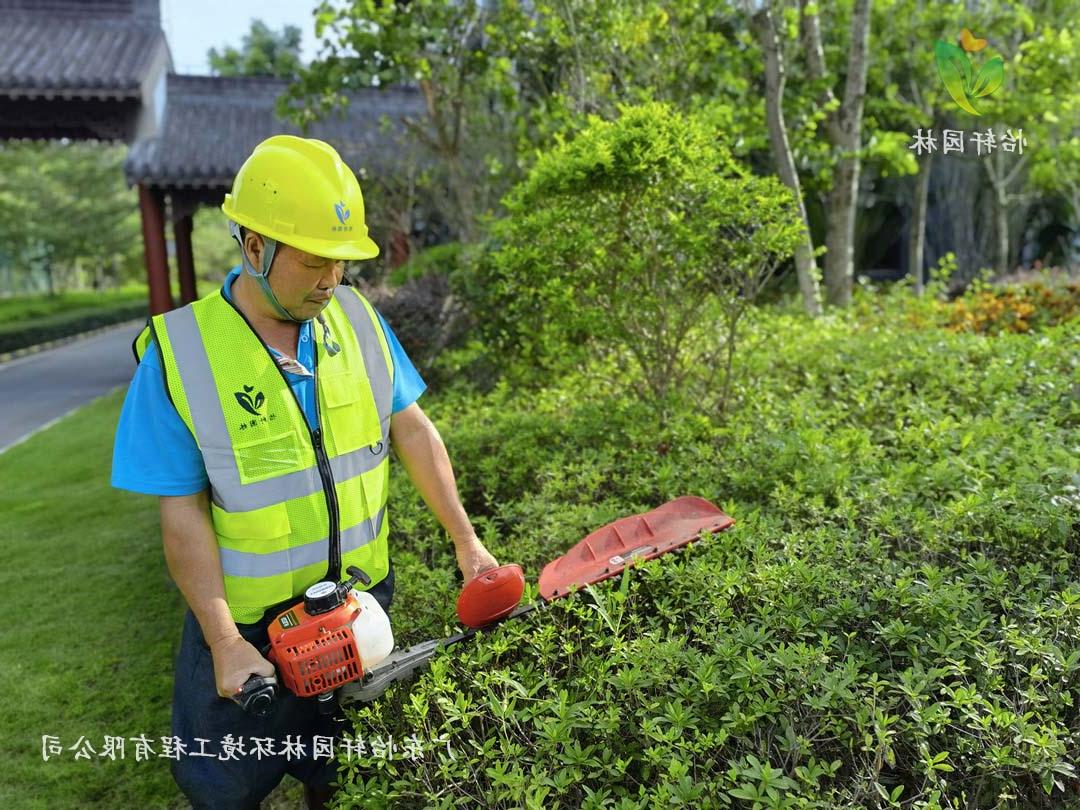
236	660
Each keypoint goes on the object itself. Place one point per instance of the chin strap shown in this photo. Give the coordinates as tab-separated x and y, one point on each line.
263	276
329	343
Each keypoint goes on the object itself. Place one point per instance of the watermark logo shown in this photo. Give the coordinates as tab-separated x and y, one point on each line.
248	403
959	76
342	212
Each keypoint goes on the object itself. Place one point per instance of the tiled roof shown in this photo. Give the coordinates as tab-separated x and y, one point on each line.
213	122
75	56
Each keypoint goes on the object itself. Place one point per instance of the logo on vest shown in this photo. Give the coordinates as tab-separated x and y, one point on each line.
252	406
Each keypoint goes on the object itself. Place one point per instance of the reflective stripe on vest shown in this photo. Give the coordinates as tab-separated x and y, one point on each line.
238	564
210	429
269	510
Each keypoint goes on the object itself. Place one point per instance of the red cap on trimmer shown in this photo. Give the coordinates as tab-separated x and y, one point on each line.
491	596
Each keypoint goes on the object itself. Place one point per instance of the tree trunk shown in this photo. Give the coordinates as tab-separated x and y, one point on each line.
805	266
847	139
917	224
1000	183
1001	233
845	134
840	233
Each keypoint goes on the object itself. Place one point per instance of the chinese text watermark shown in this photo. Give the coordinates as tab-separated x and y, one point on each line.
143	748
953	140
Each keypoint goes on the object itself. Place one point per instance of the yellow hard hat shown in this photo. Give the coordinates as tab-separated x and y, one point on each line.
300	192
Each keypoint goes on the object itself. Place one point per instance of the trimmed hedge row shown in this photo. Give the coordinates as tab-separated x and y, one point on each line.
63	324
893	623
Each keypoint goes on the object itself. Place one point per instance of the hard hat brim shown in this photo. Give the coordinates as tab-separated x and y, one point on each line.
363	247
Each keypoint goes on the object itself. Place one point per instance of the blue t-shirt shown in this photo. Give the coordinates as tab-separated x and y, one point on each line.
156	454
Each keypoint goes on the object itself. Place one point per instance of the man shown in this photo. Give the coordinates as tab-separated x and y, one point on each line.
261	416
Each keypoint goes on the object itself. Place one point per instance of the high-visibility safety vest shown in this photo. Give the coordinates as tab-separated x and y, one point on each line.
289	505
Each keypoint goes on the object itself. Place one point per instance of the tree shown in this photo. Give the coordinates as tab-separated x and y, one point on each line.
904	95
843	123
986	196
65	205
456	54
1039	43
775	78
502	81
263	53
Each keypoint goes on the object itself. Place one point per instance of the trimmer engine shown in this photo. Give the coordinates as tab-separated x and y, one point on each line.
322	643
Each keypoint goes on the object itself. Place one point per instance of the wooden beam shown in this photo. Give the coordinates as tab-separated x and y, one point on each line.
185	258
151	207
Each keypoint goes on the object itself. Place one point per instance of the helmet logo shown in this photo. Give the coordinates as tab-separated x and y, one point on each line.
342	212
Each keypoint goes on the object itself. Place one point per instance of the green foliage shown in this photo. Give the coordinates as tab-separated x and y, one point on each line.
456	53
64	206
23	308
893	621
501	80
264	52
628	243
444	260
30	332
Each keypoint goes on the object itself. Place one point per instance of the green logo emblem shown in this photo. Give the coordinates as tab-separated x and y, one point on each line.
959	76
250	405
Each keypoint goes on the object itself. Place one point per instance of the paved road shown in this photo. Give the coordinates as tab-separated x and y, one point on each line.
38	389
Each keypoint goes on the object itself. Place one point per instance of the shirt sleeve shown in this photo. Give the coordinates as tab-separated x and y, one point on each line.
154	452
408	384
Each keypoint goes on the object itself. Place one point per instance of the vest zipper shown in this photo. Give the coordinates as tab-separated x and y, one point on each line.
333	564
326	475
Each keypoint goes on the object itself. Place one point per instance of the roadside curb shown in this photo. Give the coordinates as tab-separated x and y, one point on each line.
52	422
52	344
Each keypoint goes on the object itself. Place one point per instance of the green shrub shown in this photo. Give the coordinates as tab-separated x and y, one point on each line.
893	622
31	307
444	260
22	333
628	243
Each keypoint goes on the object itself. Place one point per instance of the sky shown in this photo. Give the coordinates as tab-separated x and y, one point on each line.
192	27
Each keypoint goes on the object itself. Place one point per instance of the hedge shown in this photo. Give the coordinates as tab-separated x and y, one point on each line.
63	324
894	621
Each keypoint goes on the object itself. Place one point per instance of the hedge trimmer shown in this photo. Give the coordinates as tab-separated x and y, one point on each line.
320	646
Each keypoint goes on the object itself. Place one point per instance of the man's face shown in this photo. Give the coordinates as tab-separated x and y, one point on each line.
303	282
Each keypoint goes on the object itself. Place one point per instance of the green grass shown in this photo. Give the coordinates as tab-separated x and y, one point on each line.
96	620
94	624
21	308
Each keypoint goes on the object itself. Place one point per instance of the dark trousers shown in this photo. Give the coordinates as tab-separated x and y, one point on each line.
230	778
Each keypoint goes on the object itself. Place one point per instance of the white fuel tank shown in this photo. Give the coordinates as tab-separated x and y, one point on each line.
371	629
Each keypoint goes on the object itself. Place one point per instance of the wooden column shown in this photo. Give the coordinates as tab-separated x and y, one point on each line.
399	248
151	207
185	258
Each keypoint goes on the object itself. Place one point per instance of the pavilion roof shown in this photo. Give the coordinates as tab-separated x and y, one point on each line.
93	49
213	122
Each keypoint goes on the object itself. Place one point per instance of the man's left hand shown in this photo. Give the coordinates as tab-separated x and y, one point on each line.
473	559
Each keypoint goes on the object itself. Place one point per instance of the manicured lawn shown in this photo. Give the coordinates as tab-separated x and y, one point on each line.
94	624
90	653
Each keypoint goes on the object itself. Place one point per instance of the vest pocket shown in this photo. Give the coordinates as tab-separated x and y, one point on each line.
266	524
254	549
268	457
350	407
